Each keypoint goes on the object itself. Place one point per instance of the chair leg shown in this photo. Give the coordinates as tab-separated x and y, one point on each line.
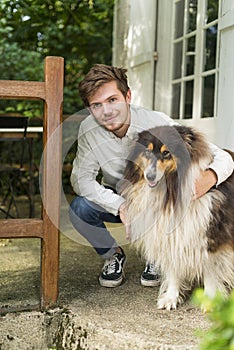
7	214
13	201
31	180
9	196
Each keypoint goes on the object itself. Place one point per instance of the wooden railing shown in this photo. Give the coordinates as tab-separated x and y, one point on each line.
46	228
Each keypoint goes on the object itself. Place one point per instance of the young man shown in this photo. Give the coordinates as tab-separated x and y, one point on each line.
104	142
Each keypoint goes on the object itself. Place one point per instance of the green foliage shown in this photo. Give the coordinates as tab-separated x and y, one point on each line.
78	30
221	334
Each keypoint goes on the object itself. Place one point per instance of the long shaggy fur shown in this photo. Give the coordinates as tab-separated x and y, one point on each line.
191	240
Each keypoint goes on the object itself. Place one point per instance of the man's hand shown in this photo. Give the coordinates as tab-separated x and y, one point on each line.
123	217
122	212
206	180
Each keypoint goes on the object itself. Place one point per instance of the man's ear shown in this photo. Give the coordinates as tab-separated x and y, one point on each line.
129	96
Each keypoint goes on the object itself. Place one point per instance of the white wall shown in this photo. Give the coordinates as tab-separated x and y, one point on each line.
225	121
120	33
136	50
163	68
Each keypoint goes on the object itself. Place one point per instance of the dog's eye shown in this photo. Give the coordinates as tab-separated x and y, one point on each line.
166	154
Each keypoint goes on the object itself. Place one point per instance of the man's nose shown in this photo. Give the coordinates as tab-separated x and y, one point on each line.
107	108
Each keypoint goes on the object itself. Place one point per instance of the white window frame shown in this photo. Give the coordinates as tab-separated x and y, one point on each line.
199	74
164	68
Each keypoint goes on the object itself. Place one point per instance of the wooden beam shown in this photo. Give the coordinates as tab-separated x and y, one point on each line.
14	89
19	228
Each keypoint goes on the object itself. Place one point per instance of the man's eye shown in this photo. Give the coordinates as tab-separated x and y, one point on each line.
96	105
113	99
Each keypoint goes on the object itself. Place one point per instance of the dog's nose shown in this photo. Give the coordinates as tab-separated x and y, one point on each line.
150	175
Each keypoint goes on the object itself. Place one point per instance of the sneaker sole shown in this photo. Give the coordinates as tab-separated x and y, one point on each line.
113	283
150	283
110	283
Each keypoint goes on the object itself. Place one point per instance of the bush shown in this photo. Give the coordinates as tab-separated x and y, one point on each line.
220	336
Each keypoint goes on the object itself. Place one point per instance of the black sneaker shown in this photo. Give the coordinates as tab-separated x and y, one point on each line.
112	273
150	277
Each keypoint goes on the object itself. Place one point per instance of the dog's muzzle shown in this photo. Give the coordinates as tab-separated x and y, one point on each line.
152	176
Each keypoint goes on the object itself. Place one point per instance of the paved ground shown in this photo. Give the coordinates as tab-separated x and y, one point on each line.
88	316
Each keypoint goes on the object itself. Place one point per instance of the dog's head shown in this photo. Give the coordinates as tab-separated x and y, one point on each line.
163	151
153	158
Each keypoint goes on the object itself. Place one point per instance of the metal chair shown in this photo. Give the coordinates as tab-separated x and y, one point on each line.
12	163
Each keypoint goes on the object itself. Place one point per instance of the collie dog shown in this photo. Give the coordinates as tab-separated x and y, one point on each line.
192	240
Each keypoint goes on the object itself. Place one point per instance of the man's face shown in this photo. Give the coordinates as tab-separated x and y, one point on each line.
111	109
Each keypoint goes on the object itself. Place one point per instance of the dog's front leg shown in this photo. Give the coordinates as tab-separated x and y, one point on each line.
169	293
210	287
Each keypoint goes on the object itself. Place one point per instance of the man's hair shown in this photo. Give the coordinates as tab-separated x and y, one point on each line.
101	74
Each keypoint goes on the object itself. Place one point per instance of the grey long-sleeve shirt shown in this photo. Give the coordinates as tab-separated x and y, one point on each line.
99	148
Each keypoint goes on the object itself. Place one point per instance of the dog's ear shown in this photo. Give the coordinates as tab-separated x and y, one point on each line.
195	143
188	135
190	138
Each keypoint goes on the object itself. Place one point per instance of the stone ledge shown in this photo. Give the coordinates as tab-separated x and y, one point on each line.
62	329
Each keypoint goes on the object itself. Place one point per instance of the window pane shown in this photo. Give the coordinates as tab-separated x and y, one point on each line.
211	44
177	63
188	106
192	15
179	19
190	56
212	10
175	113
208	96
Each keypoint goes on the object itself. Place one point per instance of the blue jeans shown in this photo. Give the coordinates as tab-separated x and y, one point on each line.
88	219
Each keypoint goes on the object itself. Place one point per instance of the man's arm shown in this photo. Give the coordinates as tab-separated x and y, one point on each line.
222	164
219	170
83	178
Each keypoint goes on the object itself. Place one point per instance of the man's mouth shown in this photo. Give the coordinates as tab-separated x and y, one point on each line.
109	119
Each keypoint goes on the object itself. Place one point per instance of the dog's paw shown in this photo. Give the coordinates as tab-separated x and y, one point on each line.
168	303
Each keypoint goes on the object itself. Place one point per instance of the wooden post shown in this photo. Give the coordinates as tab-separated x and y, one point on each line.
51	183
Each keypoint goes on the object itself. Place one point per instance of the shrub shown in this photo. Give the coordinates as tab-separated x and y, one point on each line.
220	336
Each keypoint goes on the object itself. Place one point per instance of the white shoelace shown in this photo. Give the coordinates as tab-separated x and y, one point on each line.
151	268
110	265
